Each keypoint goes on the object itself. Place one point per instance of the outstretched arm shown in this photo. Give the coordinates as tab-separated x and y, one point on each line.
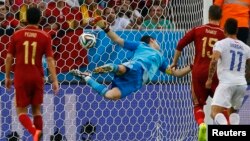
114	37
179	72
105	27
176	57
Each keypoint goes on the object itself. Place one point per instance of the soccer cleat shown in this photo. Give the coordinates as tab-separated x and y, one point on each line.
202	135
104	69
37	136
79	74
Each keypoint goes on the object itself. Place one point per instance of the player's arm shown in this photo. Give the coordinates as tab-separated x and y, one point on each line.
105	27
175	72
183	42
177	54
212	67
114	37
8	64
52	70
179	72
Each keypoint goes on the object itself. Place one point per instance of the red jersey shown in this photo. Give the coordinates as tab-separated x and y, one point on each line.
204	38
28	45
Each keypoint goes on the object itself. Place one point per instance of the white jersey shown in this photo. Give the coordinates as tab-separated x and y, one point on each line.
232	63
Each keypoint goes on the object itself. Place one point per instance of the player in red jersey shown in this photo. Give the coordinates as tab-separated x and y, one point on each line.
204	37
28	45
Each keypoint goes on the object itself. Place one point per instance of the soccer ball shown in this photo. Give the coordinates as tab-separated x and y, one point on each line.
87	40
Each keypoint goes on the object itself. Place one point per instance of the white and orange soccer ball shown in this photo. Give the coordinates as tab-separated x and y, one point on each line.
87	40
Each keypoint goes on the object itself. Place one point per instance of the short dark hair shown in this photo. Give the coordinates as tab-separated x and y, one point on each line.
215	12
231	26
33	15
146	38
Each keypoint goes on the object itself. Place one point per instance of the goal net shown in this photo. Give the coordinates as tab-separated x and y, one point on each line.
161	110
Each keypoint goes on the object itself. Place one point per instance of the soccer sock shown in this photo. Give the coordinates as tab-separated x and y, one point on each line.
101	89
234	119
38	122
225	112
199	114
27	124
220	119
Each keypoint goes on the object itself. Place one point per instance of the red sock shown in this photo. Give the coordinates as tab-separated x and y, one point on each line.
27	124
225	112
38	122
199	114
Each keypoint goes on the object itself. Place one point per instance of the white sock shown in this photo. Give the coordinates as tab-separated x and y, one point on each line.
234	119
87	78
220	119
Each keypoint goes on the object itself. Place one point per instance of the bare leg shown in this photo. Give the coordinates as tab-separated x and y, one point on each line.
113	94
217	115
36	110
121	70
21	110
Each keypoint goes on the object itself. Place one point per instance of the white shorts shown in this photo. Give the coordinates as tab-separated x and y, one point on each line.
228	96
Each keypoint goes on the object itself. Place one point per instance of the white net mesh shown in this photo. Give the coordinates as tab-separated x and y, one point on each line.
161	110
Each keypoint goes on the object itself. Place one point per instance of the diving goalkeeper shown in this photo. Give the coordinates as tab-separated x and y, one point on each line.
130	76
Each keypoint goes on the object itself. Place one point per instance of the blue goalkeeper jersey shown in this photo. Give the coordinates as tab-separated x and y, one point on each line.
150	58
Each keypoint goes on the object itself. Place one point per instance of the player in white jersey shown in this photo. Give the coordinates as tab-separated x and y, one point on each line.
230	56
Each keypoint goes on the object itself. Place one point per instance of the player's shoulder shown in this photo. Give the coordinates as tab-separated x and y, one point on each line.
19	31
38	31
210	26
246	46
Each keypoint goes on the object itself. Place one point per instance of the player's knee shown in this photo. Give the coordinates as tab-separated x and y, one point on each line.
112	97
121	69
113	94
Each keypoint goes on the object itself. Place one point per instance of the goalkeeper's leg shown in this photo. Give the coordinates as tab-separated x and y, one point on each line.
102	90
117	69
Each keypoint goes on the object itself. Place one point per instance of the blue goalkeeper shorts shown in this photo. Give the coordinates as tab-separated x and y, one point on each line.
130	81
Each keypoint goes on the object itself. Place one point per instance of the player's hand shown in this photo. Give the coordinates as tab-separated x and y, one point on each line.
170	71
55	87
99	22
8	83
208	83
173	66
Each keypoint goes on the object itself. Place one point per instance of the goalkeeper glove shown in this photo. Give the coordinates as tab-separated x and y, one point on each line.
101	23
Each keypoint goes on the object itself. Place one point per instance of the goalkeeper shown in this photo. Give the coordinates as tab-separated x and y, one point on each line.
130	76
